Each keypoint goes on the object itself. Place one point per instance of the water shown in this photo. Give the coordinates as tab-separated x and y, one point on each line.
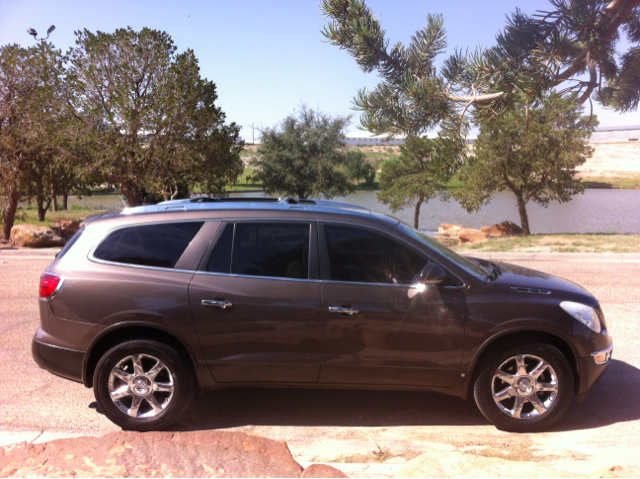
595	211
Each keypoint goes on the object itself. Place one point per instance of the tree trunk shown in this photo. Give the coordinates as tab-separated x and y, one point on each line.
10	212
416	216
55	201
65	197
42	207
131	191
40	198
524	219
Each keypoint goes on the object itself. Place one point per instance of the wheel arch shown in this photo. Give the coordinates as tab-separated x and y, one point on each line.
507	340
125	332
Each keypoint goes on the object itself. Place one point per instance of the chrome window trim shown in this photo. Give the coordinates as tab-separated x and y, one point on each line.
138	266
464	286
101	240
208	273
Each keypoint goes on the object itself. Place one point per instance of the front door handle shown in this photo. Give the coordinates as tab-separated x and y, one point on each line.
216	304
341	310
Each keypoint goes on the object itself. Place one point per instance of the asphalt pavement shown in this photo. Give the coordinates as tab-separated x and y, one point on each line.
349	426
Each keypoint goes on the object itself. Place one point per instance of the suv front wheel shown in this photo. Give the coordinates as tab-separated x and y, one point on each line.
525	389
143	385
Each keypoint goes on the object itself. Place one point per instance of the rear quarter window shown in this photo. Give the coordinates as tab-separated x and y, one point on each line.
71	242
159	245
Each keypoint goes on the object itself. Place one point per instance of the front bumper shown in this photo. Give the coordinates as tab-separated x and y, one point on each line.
60	361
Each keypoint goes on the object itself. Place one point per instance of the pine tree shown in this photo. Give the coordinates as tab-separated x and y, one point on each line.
533	55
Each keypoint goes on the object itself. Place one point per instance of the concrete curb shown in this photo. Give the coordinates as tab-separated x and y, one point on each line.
33	437
599	257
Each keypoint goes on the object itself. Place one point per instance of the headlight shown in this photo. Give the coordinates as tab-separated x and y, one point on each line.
583	313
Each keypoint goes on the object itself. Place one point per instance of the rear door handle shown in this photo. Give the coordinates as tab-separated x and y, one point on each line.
216	304
341	310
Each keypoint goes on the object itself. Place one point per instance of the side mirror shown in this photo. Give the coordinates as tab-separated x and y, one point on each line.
432	273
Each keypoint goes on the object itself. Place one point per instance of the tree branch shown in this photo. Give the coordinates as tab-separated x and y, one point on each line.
475	98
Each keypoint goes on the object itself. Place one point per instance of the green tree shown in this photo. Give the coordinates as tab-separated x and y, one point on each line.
531	152
418	175
28	78
358	167
154	119
533	55
302	156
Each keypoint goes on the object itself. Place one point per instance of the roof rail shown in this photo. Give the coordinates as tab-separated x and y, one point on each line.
205	202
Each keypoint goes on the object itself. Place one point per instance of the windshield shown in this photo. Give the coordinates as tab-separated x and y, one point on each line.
465	263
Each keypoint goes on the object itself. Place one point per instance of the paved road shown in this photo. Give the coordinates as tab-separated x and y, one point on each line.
325	425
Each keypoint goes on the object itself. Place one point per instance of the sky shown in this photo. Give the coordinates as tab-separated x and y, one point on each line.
268	57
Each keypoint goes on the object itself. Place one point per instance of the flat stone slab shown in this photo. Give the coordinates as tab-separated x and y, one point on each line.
153	454
457	464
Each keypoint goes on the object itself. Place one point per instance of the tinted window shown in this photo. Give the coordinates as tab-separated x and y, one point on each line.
469	265
272	249
363	256
220	259
150	245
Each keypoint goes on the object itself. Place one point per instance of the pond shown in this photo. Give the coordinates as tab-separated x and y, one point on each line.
595	211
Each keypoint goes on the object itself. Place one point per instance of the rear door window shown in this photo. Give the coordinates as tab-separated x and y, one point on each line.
159	245
363	256
279	250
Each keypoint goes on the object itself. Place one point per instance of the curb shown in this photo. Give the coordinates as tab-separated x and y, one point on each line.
599	257
43	253
33	437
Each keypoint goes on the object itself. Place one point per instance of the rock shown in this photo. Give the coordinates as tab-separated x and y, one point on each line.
152	454
322	470
32	236
616	471
502	229
449	230
66	228
458	464
468	235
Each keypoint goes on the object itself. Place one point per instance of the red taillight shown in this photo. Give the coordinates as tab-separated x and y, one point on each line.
48	284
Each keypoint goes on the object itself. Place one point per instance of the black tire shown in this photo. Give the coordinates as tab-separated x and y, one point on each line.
161	382
522	407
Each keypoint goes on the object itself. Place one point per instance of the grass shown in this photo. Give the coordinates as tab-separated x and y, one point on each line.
243	183
77	213
631	182
555	243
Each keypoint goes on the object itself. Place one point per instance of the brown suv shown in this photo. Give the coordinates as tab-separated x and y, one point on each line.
153	303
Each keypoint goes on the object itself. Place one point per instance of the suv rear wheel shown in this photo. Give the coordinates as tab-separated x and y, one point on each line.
525	389
143	385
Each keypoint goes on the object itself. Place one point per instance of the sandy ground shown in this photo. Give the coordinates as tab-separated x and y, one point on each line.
352	426
613	159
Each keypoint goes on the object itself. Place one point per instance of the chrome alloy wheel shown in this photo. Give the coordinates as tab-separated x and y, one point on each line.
524	386
141	386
